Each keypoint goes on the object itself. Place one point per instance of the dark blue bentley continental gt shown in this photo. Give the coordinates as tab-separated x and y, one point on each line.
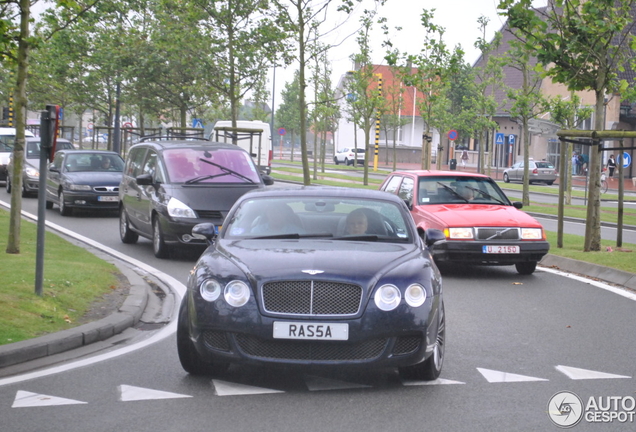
332	277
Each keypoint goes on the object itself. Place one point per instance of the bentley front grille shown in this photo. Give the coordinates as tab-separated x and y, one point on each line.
312	298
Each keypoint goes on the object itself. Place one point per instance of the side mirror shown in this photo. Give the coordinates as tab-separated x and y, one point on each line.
517	205
205	231
432	236
144	180
267	179
53	168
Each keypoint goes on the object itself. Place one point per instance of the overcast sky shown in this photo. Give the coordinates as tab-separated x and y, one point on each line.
457	17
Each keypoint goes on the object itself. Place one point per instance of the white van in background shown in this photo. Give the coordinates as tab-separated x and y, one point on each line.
253	136
7	136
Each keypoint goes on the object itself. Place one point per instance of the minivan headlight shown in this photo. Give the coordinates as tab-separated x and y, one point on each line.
178	209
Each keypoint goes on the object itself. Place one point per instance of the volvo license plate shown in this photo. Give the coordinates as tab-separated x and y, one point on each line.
501	249
304	330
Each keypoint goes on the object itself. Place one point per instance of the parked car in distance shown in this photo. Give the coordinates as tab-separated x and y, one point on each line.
170	186
480	224
538	172
7	136
348	155
84	179
276	286
31	165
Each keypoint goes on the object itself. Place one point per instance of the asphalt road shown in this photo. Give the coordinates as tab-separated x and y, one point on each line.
513	343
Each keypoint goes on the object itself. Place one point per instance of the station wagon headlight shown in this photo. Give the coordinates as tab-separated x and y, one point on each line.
415	295
236	293
531	233
387	297
210	290
179	210
78	187
459	233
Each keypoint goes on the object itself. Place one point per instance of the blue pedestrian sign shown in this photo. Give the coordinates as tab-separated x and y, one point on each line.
499	138
196	123
511	139
627	160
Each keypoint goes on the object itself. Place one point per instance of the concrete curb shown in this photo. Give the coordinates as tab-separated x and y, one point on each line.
617	277
127	316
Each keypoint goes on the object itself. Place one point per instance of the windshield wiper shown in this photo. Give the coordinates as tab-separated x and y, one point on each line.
448	188
363	237
293	236
486	194
226	171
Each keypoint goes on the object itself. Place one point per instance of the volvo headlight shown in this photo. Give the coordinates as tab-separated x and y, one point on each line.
387	297
178	209
459	233
236	293
531	233
415	295
210	290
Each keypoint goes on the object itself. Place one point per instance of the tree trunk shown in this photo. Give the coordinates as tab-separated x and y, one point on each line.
593	222
13	241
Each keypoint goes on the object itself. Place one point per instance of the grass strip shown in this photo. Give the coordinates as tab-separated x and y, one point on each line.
73	279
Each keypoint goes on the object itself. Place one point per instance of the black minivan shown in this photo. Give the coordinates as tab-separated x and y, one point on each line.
170	186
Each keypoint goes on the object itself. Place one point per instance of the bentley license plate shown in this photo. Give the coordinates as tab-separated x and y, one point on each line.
500	249
303	330
108	198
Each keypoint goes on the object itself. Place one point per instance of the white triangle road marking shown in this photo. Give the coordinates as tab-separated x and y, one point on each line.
225	388
494	376
129	393
25	399
583	374
316	383
438	381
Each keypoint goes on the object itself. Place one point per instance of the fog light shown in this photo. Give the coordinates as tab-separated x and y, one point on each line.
187	238
80	202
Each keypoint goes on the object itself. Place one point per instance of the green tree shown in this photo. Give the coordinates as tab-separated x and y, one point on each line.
427	71
246	37
363	84
582	44
288	115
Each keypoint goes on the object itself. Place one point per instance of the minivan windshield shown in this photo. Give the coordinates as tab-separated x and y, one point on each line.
209	165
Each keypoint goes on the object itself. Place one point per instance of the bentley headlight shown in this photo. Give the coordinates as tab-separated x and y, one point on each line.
32	172
531	233
236	293
459	233
387	297
178	209
210	290
415	295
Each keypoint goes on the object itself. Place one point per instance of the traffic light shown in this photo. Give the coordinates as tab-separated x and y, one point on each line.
5	113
